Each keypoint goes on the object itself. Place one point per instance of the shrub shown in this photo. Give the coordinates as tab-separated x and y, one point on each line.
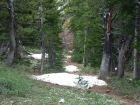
126	86
13	83
90	70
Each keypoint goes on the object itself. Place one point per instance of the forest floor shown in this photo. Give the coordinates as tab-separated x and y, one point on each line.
107	90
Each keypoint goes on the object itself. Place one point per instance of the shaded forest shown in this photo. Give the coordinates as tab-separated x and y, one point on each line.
106	33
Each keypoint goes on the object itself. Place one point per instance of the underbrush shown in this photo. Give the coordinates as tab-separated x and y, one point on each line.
16	88
89	70
13	82
33	50
40	94
127	87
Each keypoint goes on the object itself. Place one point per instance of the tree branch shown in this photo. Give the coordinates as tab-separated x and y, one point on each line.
4	6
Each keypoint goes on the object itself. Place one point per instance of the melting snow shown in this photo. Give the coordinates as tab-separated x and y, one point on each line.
37	56
68	57
71	68
62	100
67	79
71	80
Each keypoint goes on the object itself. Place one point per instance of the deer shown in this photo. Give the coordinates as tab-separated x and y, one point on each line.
70	52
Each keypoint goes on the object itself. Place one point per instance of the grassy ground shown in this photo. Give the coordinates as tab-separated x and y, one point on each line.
124	86
18	89
127	87
42	95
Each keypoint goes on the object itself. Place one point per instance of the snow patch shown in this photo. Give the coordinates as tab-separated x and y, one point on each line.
72	80
62	100
68	57
37	56
71	68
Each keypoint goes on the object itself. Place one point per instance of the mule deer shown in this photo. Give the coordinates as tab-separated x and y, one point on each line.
70	52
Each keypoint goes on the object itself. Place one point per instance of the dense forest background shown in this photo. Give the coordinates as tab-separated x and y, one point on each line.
102	36
106	33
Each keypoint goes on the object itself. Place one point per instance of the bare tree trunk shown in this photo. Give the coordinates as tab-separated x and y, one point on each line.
104	69
123	55
135	64
43	53
51	53
112	71
12	37
17	51
135	52
107	59
42	38
3	47
84	57
121	62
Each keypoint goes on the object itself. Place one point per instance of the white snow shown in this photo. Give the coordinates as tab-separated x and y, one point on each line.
71	68
37	56
72	80
67	79
62	100
68	57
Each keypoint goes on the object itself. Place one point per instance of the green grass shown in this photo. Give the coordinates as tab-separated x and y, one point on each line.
13	82
17	89
89	70
42	95
127	87
33	50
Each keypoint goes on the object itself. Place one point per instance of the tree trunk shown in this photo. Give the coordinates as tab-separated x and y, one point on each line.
121	62
12	37
84	57
17	49
51	54
42	38
107	59
122	59
135	65
3	47
43	52
135	52
104	67
112	71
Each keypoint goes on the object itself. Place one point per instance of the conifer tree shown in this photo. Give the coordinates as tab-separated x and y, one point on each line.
16	20
124	27
51	29
85	22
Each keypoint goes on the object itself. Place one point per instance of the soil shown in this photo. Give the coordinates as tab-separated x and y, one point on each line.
107	90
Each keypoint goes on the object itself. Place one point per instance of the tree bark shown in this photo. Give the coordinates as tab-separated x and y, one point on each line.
122	59
51	52
3	47
43	53
135	51
104	69
84	57
135	65
17	49
10	57
42	38
107	59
